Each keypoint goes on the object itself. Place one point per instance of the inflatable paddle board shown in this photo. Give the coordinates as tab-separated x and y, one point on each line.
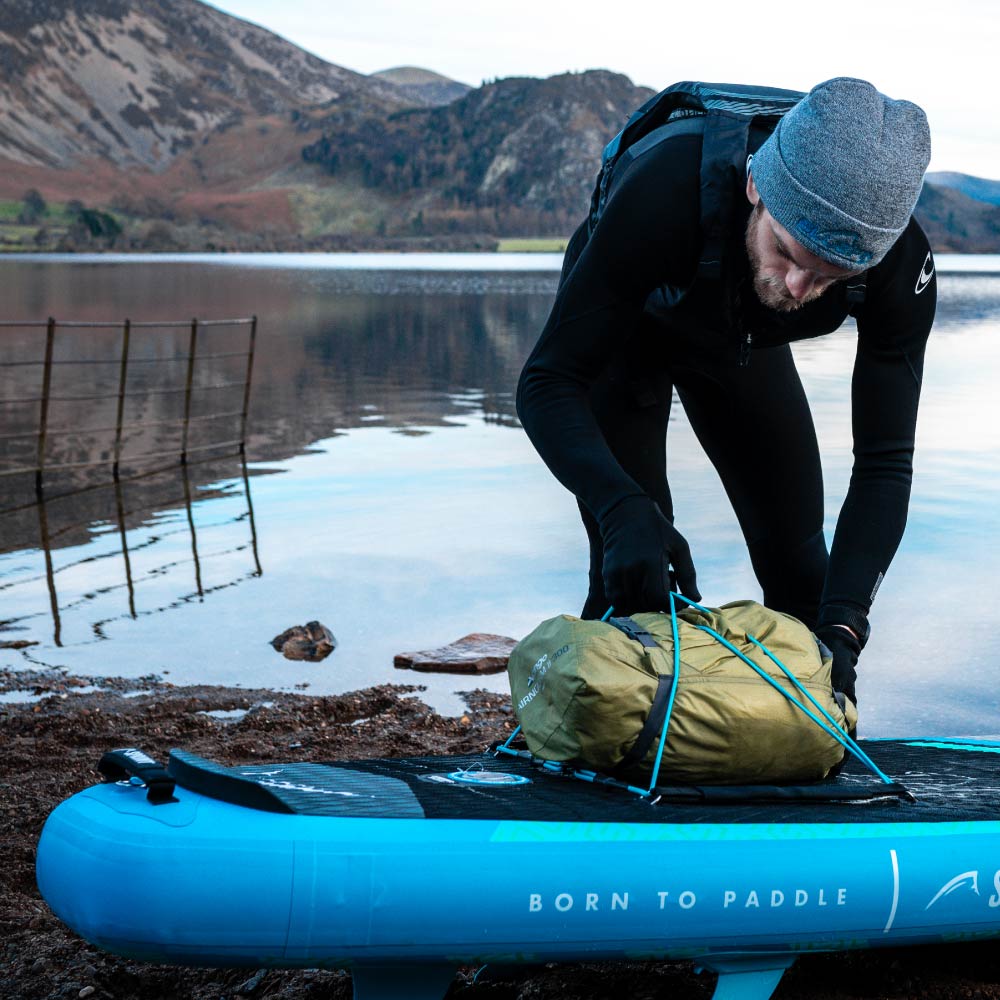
404	869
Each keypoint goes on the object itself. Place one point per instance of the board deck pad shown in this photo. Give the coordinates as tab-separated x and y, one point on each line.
953	781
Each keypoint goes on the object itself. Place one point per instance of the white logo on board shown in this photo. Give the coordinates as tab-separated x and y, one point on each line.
969	878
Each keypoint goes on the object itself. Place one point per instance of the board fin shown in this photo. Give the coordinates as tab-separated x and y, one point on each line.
414	981
749	977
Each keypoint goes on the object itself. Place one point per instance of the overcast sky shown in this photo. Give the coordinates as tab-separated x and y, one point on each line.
943	55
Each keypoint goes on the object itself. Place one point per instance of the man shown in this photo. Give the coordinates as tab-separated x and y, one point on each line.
824	210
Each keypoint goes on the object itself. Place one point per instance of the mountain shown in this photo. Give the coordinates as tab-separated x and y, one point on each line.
956	223
976	188
136	82
170	125
423	85
517	156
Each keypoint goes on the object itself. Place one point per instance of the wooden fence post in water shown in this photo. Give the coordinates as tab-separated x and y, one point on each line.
43	416
192	346
246	387
123	373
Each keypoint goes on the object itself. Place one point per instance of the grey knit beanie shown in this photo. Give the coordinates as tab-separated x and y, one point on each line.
843	169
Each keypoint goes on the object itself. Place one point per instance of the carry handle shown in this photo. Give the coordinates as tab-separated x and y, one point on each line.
130	762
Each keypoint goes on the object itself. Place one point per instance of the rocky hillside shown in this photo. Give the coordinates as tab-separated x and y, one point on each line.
956	223
515	156
136	82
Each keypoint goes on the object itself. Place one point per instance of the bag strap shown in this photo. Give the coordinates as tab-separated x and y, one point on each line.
658	710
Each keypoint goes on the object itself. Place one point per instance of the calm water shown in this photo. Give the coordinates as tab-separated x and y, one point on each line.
391	494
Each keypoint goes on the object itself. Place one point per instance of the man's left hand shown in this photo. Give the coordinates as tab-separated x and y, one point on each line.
845	647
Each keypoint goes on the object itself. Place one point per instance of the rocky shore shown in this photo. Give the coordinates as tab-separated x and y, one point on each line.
49	750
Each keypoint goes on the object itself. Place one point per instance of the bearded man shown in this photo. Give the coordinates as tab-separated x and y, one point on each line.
819	226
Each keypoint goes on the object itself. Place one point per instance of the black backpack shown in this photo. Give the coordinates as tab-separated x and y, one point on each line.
725	113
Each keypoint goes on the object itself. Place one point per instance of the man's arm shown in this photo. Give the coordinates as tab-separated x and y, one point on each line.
893	326
648	235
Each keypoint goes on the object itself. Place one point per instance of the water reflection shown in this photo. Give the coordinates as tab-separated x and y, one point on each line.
407	509
131	543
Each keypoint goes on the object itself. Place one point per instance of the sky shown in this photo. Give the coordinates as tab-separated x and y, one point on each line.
941	55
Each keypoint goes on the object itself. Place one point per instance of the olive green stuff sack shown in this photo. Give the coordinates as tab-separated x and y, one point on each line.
582	691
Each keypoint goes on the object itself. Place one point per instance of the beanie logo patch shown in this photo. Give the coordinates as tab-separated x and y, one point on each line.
842	242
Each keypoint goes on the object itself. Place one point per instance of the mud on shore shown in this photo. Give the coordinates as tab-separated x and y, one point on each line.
50	748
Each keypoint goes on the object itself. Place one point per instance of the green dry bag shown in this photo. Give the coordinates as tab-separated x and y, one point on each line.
593	694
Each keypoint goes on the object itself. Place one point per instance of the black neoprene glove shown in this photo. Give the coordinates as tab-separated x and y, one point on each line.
845	649
845	645
640	547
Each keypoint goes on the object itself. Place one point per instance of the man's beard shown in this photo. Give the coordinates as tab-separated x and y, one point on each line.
771	290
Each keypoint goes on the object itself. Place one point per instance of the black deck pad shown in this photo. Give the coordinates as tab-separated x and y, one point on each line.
952	780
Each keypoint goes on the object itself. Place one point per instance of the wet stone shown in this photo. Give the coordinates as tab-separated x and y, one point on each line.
477	653
312	641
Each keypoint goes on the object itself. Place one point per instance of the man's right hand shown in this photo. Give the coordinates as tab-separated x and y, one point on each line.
640	547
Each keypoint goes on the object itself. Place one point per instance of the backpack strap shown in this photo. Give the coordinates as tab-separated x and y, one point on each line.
658	710
723	157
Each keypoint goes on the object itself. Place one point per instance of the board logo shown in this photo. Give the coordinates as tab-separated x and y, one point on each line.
970	880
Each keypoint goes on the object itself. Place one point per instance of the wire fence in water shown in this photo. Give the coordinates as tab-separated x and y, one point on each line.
180	379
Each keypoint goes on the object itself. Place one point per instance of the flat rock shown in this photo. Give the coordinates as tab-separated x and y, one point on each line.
312	641
478	653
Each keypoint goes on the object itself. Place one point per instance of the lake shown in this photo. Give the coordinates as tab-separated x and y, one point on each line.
389	491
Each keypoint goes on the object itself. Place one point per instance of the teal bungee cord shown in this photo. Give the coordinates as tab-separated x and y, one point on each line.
832	729
842	738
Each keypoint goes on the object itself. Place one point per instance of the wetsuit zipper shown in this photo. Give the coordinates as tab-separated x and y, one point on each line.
745	345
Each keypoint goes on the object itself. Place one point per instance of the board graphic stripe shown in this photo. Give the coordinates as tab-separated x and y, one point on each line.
895	891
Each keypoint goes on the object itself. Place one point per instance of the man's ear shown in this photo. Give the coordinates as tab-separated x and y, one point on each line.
752	194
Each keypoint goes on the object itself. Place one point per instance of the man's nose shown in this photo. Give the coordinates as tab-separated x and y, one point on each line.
799	282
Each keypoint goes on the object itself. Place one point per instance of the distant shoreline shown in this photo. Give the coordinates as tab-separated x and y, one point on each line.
514	258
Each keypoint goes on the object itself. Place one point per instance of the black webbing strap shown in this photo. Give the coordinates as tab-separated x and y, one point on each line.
820	792
634	631
658	710
723	157
128	762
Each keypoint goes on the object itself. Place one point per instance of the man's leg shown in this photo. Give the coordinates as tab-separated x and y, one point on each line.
631	403
755	426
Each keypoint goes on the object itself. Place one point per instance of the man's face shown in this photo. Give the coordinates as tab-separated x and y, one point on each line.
785	274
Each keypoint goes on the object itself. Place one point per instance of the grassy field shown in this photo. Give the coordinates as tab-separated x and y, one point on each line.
537	244
16	235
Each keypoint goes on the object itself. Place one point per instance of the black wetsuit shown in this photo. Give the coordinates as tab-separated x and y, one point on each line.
594	396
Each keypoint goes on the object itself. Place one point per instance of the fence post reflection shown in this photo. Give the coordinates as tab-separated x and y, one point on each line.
194	534
123	534
50	576
121	515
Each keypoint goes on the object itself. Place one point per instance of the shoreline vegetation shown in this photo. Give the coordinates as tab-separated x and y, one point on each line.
33	225
53	743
